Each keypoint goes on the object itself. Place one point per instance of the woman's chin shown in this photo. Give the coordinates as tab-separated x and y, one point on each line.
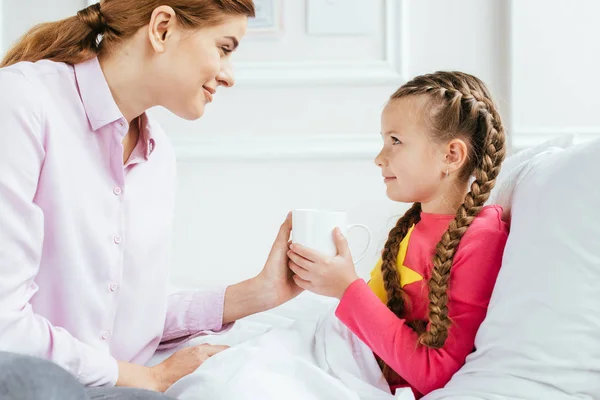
191	113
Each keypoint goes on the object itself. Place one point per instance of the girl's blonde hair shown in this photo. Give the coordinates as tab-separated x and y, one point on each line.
460	106
75	39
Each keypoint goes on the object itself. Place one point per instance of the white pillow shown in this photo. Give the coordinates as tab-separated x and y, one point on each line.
541	336
517	165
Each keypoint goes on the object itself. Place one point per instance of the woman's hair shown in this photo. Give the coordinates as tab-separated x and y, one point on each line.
458	105
76	39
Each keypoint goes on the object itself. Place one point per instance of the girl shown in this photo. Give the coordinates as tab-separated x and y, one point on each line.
428	294
86	198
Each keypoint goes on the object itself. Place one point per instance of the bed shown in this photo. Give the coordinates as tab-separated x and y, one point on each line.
539	339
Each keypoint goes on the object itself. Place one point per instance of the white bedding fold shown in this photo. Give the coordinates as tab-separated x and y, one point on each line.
312	356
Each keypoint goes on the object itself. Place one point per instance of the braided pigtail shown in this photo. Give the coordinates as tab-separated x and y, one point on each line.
460	106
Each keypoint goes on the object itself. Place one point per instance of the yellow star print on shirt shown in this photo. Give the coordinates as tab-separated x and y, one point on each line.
407	275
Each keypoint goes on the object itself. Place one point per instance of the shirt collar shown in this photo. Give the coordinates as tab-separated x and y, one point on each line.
146	135
97	99
99	104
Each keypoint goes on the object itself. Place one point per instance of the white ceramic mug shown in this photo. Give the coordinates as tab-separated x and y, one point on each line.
314	229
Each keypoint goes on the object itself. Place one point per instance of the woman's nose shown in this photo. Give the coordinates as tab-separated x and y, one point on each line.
226	77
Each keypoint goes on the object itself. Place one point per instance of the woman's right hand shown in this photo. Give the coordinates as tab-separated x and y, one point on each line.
162	376
182	363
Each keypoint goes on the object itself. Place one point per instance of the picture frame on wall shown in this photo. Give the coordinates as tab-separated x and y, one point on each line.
268	19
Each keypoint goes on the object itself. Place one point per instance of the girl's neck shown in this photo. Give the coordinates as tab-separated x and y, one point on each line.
447	200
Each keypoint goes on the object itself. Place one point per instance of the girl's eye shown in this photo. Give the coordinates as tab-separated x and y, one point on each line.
395	140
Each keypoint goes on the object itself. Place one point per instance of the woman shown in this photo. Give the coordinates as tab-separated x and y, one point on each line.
86	191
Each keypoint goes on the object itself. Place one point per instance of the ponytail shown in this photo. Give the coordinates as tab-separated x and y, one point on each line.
99	27
71	40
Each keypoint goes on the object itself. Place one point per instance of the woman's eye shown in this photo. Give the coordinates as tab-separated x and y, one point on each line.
225	50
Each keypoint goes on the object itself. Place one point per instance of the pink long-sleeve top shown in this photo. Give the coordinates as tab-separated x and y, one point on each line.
84	239
474	270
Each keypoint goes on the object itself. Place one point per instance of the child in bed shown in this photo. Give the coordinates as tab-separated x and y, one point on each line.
429	292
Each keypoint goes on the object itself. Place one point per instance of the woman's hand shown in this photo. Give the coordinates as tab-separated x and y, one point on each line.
272	287
162	376
276	277
182	363
320	274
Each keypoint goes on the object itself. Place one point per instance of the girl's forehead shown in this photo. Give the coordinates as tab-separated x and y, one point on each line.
404	111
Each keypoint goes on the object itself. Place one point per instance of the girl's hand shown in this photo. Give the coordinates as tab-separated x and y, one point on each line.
320	274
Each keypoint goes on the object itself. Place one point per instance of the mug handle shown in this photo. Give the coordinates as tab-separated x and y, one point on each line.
364	253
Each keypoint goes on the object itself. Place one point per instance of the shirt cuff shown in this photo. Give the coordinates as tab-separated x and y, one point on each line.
105	373
206	311
203	316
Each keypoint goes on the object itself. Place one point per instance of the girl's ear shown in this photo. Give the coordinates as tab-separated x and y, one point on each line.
456	153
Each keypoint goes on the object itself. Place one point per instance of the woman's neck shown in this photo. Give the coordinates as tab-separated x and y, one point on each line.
129	88
127	83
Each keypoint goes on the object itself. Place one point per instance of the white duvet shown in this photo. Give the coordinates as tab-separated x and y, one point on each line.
299	351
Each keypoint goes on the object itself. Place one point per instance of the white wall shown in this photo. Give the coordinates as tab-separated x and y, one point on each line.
555	67
259	192
301	127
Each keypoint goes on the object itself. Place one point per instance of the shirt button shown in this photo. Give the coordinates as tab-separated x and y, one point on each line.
117	239
105	335
117	191
114	287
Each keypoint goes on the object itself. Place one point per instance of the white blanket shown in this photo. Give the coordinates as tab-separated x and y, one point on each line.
301	351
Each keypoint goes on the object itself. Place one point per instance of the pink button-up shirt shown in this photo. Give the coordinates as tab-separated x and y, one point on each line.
84	239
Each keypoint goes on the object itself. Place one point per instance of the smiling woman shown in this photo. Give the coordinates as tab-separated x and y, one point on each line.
182	71
82	161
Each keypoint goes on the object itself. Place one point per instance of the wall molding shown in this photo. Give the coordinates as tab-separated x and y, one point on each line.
326	147
267	147
390	70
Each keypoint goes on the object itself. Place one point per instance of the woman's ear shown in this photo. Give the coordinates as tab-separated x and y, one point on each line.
160	29
456	156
